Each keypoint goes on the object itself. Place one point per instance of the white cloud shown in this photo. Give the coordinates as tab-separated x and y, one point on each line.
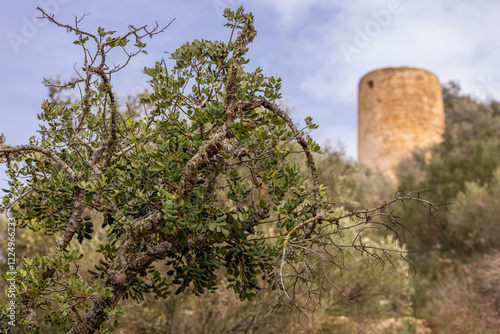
434	35
452	39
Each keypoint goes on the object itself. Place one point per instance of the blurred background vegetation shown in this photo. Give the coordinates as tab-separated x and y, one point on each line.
453	286
457	261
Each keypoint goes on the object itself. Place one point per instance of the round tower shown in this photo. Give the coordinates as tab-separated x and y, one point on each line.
399	110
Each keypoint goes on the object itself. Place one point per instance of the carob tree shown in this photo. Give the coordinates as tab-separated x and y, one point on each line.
203	181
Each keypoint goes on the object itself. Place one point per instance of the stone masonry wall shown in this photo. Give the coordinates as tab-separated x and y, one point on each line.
399	110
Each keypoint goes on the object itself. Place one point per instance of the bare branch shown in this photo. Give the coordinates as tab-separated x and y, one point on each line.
301	244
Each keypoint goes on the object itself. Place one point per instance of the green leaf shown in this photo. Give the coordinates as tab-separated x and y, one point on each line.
220	219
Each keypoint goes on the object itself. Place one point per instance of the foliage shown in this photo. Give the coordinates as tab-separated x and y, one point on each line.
464	172
468	151
467	300
351	184
204	183
379	291
476	221
467	156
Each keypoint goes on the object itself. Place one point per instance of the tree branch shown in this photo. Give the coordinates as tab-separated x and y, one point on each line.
6	150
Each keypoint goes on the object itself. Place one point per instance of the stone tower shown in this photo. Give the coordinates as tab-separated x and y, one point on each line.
399	110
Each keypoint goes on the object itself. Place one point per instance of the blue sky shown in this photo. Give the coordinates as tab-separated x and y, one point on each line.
320	48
